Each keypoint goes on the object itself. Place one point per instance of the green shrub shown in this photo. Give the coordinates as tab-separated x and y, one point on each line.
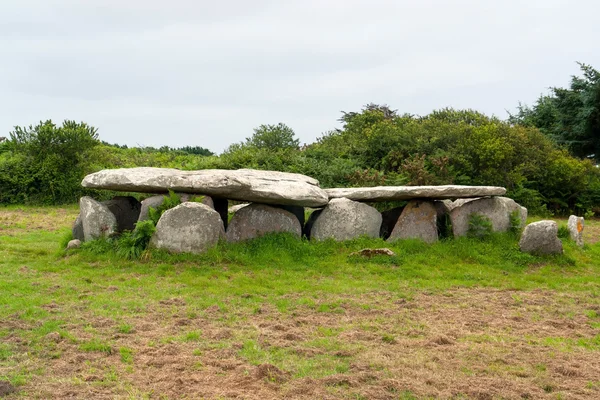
480	227
563	232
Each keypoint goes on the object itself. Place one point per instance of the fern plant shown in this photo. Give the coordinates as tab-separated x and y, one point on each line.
480	226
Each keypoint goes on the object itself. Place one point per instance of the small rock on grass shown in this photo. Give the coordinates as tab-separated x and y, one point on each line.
74	244
373	252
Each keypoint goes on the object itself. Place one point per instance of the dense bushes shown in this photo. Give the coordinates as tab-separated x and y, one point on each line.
45	164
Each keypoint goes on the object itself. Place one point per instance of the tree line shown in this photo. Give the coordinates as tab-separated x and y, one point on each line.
545	154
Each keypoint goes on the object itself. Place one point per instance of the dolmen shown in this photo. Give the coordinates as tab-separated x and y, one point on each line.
274	201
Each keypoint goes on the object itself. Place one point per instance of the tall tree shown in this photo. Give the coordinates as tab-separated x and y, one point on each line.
571	116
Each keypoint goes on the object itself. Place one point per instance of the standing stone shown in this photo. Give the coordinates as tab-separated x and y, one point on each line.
417	221
497	209
259	219
126	210
575	226
297	211
388	221
77	230
345	219
96	219
541	238
188	228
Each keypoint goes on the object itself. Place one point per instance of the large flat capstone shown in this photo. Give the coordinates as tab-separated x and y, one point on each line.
269	187
390	193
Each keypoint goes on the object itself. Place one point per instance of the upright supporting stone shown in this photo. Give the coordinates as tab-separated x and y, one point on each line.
417	221
96	219
77	230
259	219
345	219
188	228
126	210
497	209
576	225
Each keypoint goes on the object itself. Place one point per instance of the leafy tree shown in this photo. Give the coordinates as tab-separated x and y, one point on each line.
570	116
48	161
274	137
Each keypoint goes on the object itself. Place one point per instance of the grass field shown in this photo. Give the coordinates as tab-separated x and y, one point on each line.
279	318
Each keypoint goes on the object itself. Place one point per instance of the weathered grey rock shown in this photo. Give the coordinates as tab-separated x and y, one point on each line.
417	221
391	193
188	228
576	225
77	230
297	211
237	207
345	219
497	209
259	219
541	238
373	252
388	221
74	244
96	219
126	210
269	187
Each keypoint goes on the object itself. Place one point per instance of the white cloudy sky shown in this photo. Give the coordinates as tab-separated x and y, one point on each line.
205	73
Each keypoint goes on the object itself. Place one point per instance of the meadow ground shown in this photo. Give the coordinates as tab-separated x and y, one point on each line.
280	318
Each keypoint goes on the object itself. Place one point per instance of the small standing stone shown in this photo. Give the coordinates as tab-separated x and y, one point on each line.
541	238
417	221
259	219
188	228
345	219
576	225
97	220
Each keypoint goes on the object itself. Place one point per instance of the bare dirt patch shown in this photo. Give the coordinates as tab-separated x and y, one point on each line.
477	344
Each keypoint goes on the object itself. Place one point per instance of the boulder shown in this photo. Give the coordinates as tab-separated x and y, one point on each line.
417	221
345	219
388	221
497	209
541	238
126	210
188	228
297	211
268	187
394	193
96	219
575	226
259	219
77	230
74	244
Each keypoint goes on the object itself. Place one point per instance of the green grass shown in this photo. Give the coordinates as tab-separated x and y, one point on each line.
99	302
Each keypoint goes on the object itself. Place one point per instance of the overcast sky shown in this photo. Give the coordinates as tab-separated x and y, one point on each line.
205	73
